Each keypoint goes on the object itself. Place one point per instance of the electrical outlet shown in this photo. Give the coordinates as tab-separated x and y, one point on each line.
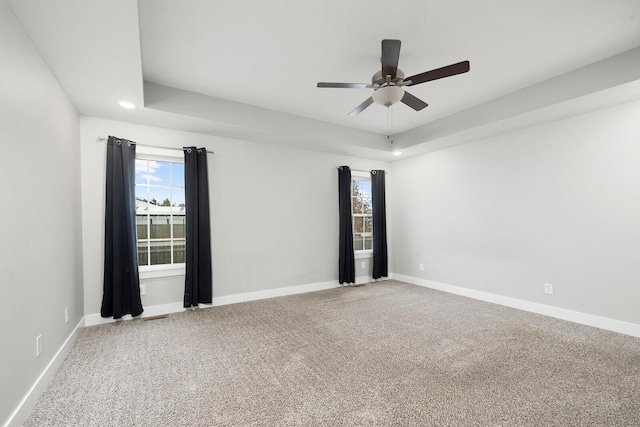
421	267
364	264
66	315
143	290
548	288
38	345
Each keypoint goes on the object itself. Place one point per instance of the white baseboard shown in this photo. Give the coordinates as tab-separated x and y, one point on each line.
613	325
23	410
149	311
275	292
176	307
363	279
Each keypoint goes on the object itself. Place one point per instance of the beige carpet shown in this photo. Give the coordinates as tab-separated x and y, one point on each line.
383	354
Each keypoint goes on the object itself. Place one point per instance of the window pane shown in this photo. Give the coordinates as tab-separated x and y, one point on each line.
361	196
141	226
357	242
159	200
178	226
143	253
355	187
159	173
141	193
179	250
368	224
160	226
177	171
161	252
365	188
178	199
358	225
368	242
141	172
366	205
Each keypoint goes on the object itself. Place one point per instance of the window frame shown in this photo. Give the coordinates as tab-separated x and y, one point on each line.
362	253
160	270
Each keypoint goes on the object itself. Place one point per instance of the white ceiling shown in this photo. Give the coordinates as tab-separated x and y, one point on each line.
248	69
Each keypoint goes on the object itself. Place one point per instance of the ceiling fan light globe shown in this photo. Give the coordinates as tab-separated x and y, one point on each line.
388	95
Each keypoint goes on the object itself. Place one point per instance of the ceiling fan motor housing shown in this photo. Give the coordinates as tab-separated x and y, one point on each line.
387	91
378	80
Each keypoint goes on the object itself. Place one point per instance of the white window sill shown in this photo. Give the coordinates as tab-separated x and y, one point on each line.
363	254
152	272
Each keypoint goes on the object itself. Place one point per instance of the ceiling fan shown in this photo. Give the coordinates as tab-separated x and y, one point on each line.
389	81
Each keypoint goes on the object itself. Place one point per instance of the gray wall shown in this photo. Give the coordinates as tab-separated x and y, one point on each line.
557	203
40	231
274	212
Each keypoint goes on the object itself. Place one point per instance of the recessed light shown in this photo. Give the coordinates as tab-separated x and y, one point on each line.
126	104
397	153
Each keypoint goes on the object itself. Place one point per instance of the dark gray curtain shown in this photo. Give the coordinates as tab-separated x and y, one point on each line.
379	224
346	261
121	285
198	282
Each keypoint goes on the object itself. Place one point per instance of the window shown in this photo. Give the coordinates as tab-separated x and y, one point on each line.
160	212
361	209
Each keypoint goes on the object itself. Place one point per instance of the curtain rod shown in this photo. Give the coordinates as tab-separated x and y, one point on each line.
105	139
359	170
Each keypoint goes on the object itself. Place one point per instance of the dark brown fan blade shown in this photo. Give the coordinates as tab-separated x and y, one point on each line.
390	57
413	102
360	108
439	73
344	85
